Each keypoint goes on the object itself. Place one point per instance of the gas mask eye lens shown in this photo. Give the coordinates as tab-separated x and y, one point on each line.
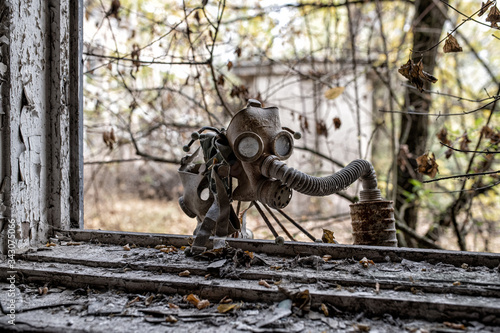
283	145
205	194
248	146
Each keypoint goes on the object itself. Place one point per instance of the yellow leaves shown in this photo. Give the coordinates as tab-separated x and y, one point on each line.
415	74
328	237
223	308
427	165
451	45
334	92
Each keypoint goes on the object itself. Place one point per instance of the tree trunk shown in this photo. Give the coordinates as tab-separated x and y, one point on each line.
427	26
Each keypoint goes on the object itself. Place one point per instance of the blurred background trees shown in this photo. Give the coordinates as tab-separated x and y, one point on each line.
421	105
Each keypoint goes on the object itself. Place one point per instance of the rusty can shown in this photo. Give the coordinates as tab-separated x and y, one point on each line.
373	223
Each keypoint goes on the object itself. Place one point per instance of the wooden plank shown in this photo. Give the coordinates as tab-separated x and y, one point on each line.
337	251
401	304
389	276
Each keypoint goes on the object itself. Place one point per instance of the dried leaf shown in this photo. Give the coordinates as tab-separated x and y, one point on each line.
333	93
149	300
43	290
365	262
484	7
221	80
203	304
115	7
489	133
455	326
185	273
238	51
327	257
109	138
264	283
442	135
225	300
456	283
448	153
126	247
493	17
50	244
229	65
170	319
250	254
363	327
328	237
304	124
321	128
427	165
173	306
415	74
135	300
223	308
169	249
324	309
193	299
303	300
464	142
451	45
336	122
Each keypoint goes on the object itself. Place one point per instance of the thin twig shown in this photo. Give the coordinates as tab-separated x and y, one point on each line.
470	151
462	176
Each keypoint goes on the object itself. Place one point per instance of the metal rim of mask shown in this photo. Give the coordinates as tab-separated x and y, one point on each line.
282	145
248	147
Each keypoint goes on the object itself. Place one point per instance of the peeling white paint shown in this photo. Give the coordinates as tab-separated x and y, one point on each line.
34	86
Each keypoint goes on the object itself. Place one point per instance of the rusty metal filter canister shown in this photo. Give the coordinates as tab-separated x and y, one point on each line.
373	223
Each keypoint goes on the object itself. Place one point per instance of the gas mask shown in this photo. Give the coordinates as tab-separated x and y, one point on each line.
252	151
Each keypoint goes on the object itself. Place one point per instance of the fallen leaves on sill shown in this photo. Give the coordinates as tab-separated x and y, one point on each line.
264	283
455	326
185	273
365	262
226	307
200	304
